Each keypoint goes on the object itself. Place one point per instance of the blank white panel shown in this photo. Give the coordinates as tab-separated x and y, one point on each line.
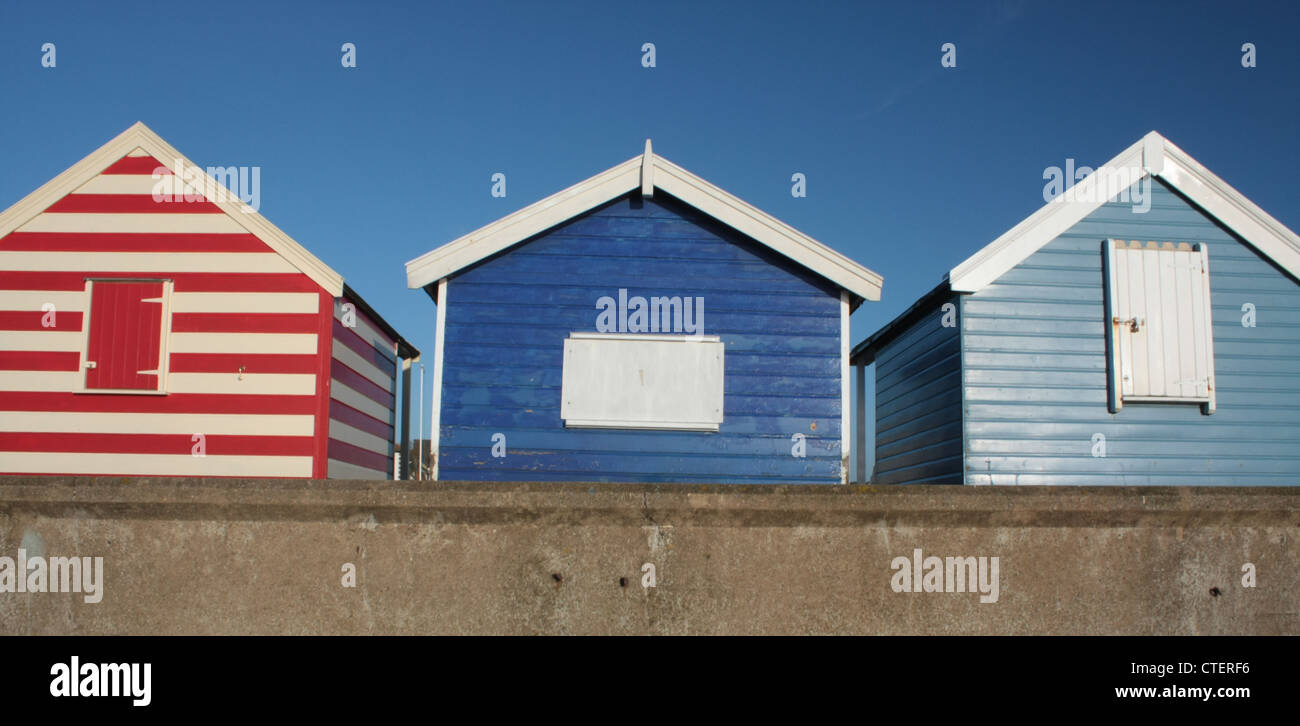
642	381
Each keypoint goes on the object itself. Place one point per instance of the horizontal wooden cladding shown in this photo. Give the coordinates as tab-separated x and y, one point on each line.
340	411
138	165
343	451
170	404
140	242
205	343
918	403
359	383
589	465
36	320
253	343
383	360
216	383
343	470
141	443
225	424
36	360
1036	368
130	204
194	281
365	327
245	362
243	322
134	223
508	318
113	464
150	263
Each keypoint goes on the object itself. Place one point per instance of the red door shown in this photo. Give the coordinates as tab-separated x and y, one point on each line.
125	341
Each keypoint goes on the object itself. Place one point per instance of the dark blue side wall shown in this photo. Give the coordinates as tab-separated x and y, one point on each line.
507	318
1035	367
918	403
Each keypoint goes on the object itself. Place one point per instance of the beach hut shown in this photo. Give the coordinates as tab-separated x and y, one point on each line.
1142	328
153	323
642	325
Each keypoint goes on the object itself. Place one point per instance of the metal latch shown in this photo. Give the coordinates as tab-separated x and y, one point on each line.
1133	323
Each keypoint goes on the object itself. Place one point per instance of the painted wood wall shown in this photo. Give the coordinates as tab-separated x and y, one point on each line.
235	304
918	404
507	318
1034	359
363	400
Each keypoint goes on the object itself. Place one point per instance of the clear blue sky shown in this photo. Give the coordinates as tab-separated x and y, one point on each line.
911	167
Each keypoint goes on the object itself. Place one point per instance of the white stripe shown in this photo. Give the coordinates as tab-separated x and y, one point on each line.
39	381
289	384
368	333
351	359
41	340
344	470
40	462
291	343
145	262
357	437
244	302
218	223
141	184
368	406
213	424
63	300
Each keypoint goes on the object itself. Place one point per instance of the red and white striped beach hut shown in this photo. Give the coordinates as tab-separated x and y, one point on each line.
153	324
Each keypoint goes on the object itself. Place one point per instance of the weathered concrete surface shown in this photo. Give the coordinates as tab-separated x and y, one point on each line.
236	556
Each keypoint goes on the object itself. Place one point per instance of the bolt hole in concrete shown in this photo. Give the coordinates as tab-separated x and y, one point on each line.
556	576
622	582
1214	592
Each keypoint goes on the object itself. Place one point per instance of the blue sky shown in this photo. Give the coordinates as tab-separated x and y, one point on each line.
910	167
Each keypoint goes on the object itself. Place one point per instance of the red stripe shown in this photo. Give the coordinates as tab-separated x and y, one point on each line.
359	383
171	403
34	319
28	360
244	323
340	411
130	204
97	242
343	451
136	165
364	349
324	343
361	315
185	281
231	363
214	445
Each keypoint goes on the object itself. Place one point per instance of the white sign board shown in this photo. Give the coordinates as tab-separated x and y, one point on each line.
638	381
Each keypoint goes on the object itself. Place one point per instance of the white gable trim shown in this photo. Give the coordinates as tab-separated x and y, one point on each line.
1155	156
140	136
646	171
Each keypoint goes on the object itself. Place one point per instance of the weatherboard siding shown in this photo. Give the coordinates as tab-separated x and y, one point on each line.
242	345
918	404
363	402
508	316
1035	367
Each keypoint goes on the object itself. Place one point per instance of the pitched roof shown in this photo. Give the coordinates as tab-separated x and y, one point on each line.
646	172
1152	156
140	136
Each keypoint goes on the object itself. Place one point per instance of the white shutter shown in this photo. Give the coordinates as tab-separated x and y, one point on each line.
1159	323
642	381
